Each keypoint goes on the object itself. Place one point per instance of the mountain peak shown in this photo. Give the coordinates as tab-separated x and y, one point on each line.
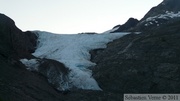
163	7
131	22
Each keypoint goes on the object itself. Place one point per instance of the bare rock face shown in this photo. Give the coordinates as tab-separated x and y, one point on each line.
13	41
132	22
5	39
56	74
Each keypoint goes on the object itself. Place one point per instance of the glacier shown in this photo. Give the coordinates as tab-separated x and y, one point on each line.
73	51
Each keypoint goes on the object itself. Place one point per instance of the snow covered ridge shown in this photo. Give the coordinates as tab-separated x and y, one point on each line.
73	51
166	16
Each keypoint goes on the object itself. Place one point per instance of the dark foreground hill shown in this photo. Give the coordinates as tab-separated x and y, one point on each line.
16	83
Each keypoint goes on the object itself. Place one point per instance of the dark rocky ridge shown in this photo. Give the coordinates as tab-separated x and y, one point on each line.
132	22
141	63
17	83
13	41
166	5
162	8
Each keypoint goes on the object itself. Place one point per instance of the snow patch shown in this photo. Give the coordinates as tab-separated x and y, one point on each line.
73	51
167	15
156	21
111	30
32	64
146	24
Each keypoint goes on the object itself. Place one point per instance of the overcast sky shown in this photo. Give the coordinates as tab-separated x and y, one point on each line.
74	16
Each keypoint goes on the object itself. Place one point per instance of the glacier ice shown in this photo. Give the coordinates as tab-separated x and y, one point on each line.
73	51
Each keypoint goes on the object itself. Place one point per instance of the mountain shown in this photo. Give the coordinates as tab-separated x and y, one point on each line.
144	62
141	63
147	62
167	11
163	7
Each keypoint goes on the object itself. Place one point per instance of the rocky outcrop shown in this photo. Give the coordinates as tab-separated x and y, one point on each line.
127	26
14	42
56	73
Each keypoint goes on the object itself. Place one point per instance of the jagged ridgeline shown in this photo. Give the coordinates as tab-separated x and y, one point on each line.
166	12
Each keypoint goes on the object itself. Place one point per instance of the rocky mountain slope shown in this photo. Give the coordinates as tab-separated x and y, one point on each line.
143	63
132	22
166	5
146	62
136	63
166	12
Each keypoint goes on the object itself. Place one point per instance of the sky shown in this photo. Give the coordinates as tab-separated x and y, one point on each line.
74	16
